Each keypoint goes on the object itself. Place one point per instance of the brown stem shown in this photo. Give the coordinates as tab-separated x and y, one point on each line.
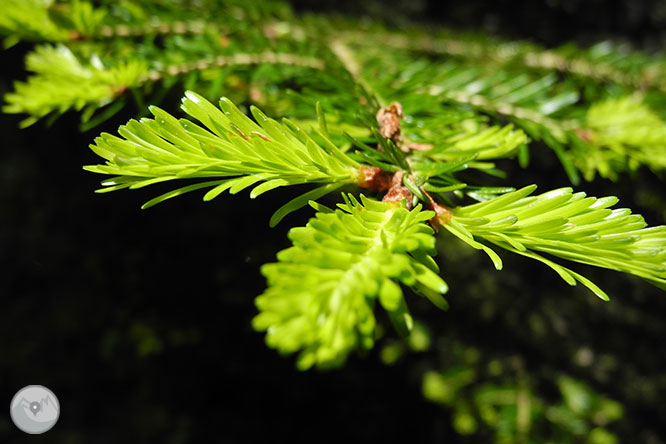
443	214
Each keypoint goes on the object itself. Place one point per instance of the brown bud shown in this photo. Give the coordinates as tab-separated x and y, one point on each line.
389	121
584	134
118	90
397	193
374	179
75	35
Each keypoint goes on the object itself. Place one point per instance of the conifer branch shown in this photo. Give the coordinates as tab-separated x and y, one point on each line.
557	128
627	134
419	125
238	59
29	20
600	63
566	225
153	27
230	147
322	291
61	82
81	20
547	111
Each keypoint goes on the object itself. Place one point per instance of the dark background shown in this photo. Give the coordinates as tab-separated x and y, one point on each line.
139	321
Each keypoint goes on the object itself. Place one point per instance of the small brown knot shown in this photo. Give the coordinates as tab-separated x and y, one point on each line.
389	121
396	194
584	134
398	191
374	178
117	90
75	35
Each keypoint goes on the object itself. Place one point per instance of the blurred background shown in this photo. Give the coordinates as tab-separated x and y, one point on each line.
139	321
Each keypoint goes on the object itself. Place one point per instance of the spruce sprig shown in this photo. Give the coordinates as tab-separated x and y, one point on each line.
555	96
627	133
568	225
229	147
62	82
598	132
602	62
29	20
322	291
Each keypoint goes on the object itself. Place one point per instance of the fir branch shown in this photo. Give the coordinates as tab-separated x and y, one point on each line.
76	20
615	136
557	128
238	59
29	20
628	134
470	146
230	147
592	69
153	27
546	110
321	293
603	62
566	225
61	82
98	39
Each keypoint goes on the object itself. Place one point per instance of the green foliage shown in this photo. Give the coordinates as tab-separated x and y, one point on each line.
321	293
230	145
601	134
515	411
466	101
463	103
602	62
567	225
29	20
494	398
61	82
327	324
138	50
565	97
629	134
